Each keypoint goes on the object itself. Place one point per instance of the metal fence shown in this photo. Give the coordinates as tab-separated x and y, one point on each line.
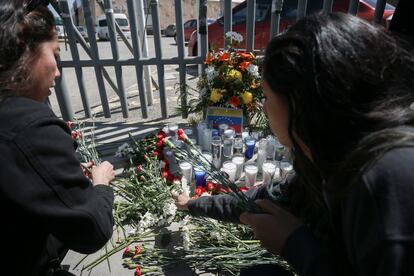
141	61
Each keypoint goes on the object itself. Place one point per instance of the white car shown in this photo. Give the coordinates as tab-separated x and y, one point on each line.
102	28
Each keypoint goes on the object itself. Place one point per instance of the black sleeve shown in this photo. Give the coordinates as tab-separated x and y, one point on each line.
378	225
224	207
57	193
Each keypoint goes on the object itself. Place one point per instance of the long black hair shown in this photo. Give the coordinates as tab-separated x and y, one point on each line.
24	25
349	86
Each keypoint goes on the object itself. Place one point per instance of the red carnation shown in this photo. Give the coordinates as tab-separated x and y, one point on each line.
234	101
199	191
127	252
139	168
181	135
138	271
161	135
211	186
137	249
70	124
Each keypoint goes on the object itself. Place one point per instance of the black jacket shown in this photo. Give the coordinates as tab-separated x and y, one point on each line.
43	190
373	223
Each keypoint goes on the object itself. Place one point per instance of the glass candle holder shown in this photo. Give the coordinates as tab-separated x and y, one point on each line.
230	168
200	177
268	169
186	171
285	169
239	161
201	126
238	145
250	172
261	153
216	151
250	144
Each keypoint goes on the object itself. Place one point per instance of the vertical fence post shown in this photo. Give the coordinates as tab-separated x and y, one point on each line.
275	19
67	20
353	7
251	18
95	57
137	56
379	11
158	55
115	54
227	21
182	65
302	4
203	31
327	6
62	96
144	44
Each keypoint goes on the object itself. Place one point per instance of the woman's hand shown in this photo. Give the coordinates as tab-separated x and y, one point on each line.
181	200
103	174
273	227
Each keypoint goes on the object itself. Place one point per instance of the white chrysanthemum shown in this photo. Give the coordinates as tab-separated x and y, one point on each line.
169	209
185	235
216	236
235	36
253	70
147	220
124	150
211	73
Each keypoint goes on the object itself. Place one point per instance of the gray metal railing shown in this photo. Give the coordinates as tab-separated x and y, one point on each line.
137	46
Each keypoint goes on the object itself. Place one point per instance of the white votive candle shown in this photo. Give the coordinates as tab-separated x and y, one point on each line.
239	161
269	169
186	171
230	168
250	172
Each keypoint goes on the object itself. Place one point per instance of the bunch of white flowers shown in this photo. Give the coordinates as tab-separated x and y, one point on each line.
124	151
235	36
211	73
253	70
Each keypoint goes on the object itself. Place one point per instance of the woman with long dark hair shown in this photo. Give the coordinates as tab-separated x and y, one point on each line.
48	205
339	93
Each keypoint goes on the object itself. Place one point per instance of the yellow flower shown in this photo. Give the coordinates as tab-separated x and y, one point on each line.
215	95
247	97
235	74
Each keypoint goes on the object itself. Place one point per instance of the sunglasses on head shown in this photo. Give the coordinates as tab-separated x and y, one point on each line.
33	4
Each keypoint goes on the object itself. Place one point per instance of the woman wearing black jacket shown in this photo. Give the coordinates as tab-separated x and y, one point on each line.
45	199
339	93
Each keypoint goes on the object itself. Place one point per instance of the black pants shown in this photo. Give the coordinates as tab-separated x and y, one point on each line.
265	270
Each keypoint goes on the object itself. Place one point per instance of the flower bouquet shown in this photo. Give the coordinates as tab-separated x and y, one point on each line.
231	80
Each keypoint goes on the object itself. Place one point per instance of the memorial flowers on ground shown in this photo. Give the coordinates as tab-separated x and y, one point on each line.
231	80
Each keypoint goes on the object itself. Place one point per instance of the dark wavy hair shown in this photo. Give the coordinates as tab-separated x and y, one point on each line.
21	33
349	87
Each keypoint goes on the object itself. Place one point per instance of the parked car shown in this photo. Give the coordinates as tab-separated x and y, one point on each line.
102	28
190	26
288	17
170	30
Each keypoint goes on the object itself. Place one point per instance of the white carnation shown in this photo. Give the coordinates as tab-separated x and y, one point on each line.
124	150
235	36
253	70
211	73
